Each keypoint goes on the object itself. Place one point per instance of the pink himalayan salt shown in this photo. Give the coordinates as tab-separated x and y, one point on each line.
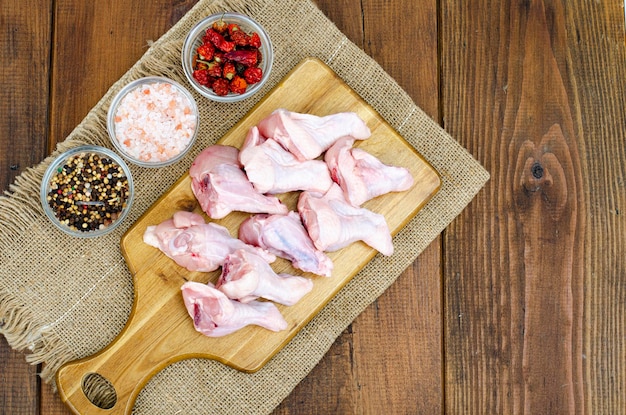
154	122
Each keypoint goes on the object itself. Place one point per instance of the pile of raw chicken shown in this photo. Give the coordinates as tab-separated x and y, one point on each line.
280	154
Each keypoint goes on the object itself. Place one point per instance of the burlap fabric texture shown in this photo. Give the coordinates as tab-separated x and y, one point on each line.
63	298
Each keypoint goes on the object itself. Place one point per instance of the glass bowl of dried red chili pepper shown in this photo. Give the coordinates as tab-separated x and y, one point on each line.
227	57
87	191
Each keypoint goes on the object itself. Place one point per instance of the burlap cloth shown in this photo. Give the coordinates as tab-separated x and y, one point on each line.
64	298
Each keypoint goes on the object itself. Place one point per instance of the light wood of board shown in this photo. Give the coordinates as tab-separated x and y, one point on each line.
159	330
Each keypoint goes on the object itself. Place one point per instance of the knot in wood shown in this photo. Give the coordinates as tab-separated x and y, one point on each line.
541	171
535	177
537	170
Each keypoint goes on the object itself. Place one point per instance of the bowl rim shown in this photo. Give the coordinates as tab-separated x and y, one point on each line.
117	99
200	27
47	176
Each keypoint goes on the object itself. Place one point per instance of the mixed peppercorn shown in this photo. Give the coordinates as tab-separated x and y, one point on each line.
228	59
88	192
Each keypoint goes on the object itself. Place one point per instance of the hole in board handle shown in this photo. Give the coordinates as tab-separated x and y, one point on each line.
99	391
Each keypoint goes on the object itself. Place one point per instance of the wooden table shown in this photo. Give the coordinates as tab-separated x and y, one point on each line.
520	305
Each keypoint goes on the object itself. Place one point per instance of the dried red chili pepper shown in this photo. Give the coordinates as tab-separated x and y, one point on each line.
246	57
238	85
255	40
220	86
240	38
218	40
228	70
232	28
214	69
253	75
201	66
206	51
228	59
202	76
219	57
220	26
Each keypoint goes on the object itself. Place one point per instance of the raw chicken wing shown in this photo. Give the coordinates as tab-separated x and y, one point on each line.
307	136
272	169
286	237
221	186
215	315
361	175
246	277
333	223
194	244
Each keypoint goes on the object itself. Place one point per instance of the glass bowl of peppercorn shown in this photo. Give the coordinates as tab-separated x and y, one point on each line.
87	191
227	57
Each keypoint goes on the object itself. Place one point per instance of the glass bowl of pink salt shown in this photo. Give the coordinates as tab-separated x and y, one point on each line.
153	121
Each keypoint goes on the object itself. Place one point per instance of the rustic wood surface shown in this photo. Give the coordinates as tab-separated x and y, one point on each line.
520	305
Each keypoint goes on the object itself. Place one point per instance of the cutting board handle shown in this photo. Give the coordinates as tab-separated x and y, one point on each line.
112	378
73	381
120	370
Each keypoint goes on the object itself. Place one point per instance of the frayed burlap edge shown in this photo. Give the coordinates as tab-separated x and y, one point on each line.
43	345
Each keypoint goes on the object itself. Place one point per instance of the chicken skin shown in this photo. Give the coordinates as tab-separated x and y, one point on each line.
272	169
216	315
246	277
286	237
333	223
194	244
307	136
361	175
221	186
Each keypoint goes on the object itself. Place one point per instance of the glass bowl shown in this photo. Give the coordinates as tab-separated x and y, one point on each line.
194	40
87	191
153	121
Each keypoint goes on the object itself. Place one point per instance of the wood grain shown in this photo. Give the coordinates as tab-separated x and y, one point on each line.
479	68
160	331
412	306
25	47
50	51
19	393
519	281
25	41
597	56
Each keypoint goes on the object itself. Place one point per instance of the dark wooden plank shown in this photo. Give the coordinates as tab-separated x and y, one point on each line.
598	53
331	386
534	288
397	344
407	357
397	341
50	404
24	46
18	382
95	43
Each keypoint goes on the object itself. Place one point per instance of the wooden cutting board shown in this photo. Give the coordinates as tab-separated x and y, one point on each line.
159	330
